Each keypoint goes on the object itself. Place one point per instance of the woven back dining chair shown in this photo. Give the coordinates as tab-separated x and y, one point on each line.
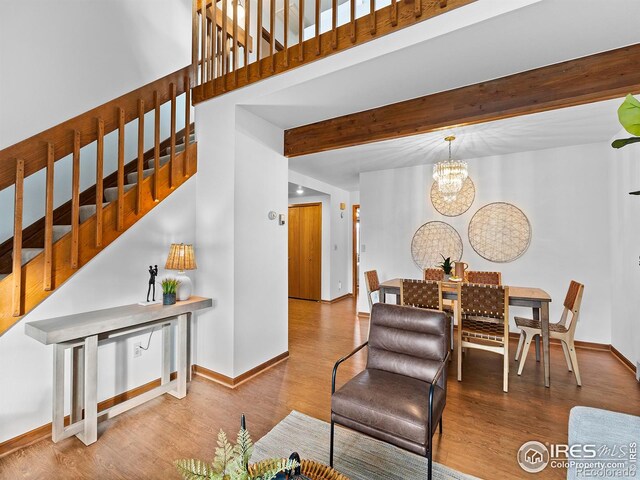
433	274
421	294
486	278
564	330
426	294
373	286
483	322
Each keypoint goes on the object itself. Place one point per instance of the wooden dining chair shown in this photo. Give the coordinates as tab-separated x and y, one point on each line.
564	330
425	294
486	278
373	286
433	274
483	322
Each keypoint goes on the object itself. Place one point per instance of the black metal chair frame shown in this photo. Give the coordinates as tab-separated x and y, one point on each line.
435	379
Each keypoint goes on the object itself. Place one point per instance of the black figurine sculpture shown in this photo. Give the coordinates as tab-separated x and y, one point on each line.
153	273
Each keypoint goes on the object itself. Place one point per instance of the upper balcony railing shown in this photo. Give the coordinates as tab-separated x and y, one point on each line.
238	42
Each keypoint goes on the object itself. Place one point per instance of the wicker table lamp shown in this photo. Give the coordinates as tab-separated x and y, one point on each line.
181	258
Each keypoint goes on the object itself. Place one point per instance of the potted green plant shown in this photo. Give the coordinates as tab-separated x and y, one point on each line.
231	462
447	268
169	289
629	116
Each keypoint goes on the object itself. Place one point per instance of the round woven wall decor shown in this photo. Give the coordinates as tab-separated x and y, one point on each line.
462	202
432	240
500	232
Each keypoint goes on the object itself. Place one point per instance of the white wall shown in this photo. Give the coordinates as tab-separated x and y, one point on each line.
261	307
325	267
116	276
340	232
243	176
625	250
564	192
60	59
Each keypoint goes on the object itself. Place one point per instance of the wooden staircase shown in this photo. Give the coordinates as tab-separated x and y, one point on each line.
43	256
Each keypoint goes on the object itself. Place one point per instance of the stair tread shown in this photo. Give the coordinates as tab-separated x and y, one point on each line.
28	254
164	159
87	211
111	193
133	176
60	231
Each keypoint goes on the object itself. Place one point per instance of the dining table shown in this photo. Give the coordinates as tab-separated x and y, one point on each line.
529	297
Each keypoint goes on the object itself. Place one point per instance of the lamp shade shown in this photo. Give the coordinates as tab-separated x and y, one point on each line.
181	257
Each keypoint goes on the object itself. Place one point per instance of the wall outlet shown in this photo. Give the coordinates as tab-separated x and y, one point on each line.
339	285
137	350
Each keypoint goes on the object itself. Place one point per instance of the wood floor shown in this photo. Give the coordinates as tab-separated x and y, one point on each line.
483	427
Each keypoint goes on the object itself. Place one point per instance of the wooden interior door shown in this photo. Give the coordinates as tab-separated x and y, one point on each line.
294	252
305	251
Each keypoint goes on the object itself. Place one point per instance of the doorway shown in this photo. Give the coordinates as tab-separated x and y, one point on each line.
355	261
305	251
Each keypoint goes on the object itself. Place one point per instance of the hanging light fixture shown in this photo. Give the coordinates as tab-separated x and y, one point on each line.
450	175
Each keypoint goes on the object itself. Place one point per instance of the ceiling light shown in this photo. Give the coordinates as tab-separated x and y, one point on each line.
450	175
299	191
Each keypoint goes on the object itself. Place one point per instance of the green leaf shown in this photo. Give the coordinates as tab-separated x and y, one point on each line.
629	115
624	141
224	454
192	469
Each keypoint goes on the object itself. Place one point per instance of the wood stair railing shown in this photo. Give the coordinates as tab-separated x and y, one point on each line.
45	254
222	64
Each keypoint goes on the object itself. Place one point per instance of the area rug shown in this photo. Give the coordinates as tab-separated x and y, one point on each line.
356	456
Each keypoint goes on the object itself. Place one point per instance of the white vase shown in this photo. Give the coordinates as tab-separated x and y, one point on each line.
185	288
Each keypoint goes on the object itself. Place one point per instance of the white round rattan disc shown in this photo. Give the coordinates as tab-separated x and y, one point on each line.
462	202
432	240
500	232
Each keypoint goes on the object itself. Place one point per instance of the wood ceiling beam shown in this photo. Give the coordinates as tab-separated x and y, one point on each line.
589	79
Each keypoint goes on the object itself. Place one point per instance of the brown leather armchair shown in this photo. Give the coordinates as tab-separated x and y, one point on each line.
400	396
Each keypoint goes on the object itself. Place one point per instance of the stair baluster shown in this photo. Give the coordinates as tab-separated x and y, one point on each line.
272	33
120	214
186	165
334	24
372	14
156	148
48	221
17	239
99	181
225	41
235	42
75	202
172	161
247	37
140	155
301	30
317	20
286	32
259	38
203	46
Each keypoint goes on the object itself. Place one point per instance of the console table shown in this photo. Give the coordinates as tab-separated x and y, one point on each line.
82	333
